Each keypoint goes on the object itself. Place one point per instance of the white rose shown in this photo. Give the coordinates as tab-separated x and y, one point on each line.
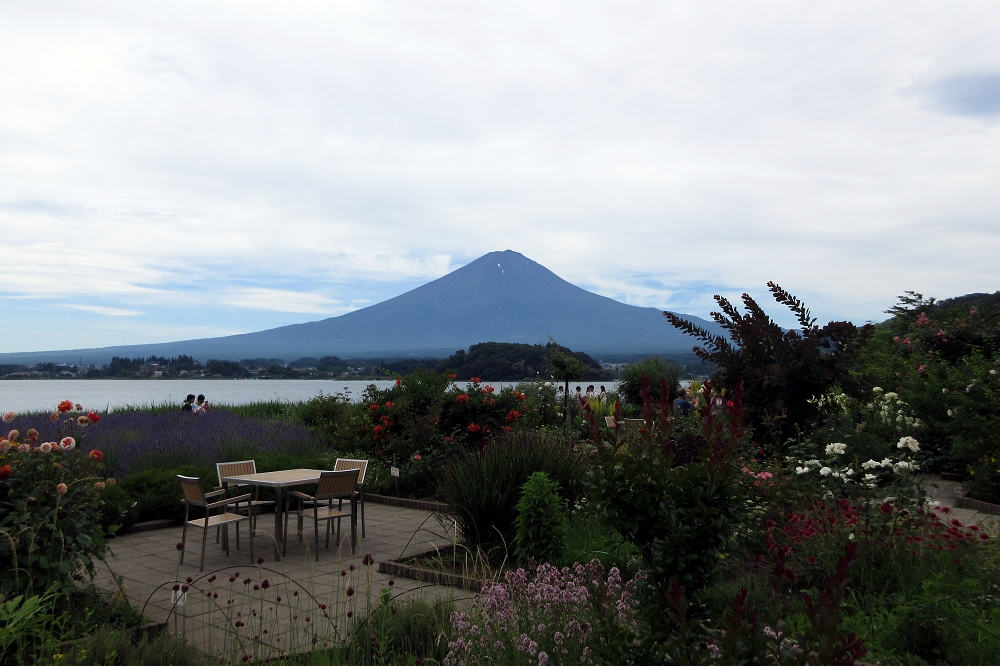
870	477
908	443
801	470
825	471
838	448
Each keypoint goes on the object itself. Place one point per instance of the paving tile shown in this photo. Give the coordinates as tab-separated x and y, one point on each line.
147	563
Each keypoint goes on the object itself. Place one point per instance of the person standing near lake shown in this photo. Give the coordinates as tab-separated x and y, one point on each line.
603	395
201	405
188	405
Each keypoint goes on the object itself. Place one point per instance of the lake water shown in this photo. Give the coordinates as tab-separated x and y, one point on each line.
100	394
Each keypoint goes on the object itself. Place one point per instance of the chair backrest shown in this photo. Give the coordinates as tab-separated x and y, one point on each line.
336	483
238	468
193	492
352	463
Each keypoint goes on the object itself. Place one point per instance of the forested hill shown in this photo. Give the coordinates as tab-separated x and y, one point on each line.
512	361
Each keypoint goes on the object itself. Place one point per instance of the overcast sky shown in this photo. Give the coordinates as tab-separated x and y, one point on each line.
178	170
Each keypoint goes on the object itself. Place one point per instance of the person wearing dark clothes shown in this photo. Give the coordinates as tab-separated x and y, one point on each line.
681	404
188	405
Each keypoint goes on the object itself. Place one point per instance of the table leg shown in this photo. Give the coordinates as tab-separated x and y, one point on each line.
277	524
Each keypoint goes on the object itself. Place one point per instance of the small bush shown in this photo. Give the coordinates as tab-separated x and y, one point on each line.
483	487
119	508
541	521
630	379
111	647
157	492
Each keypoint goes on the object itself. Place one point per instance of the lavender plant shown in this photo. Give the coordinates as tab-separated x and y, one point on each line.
543	616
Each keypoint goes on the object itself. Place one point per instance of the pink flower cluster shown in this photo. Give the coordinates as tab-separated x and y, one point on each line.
542	614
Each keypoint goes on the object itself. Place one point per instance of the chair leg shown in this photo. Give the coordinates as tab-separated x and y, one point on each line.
354	526
316	528
184	534
284	539
225	537
339	542
237	536
218	531
252	560
204	544
329	528
362	494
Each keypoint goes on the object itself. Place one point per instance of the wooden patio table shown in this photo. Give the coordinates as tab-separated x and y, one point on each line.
287	478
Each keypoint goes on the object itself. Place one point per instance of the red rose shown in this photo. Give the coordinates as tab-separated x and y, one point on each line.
474	428
475	380
5	472
65	406
373	407
93	417
97	455
513	415
462	397
398	382
452	376
388	404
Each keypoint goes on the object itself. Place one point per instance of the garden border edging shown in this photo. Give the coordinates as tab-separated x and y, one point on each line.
977	505
408	503
404	570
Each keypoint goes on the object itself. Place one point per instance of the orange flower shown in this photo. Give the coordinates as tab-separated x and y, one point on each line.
65	406
96	455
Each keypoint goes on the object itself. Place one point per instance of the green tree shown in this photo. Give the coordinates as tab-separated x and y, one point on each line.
782	370
630	379
565	368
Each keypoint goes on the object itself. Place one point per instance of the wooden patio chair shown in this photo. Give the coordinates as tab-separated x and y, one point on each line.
240	468
333	485
195	495
362	467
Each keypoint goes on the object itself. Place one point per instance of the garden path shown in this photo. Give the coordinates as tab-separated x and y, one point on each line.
946	493
147	563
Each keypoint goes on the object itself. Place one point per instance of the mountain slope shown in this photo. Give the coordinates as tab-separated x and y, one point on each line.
501	297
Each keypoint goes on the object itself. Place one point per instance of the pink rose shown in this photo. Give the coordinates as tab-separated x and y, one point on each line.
9	416
99	485
45	447
23	448
61	489
67	443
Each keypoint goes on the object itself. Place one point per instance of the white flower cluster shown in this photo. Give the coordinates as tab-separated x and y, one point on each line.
908	443
807	466
838	448
897	467
871	464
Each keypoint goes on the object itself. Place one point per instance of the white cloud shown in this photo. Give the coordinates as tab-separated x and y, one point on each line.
306	158
280	300
101	310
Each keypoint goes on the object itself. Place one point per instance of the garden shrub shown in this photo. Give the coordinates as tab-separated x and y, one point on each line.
50	504
942	358
541	521
113	647
120	508
157	492
630	379
483	487
781	370
396	631
327	415
680	517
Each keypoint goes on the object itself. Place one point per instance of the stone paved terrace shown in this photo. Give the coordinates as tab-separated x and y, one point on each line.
147	563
